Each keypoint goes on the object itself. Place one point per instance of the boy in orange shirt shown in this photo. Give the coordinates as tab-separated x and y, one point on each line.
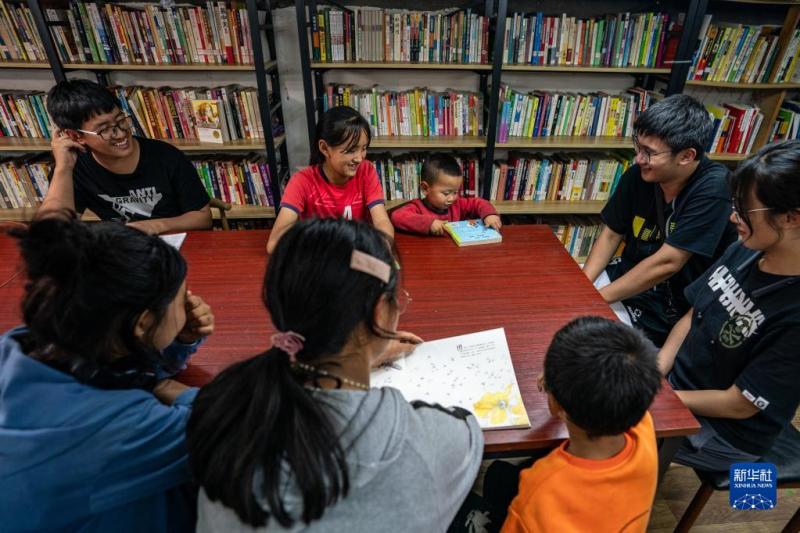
600	377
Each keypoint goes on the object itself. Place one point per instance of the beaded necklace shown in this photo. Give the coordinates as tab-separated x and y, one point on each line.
325	373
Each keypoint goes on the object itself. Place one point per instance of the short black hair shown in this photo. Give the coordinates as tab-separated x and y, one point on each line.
73	102
603	373
438	162
680	121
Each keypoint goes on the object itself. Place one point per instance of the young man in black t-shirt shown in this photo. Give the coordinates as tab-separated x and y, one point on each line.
671	209
100	165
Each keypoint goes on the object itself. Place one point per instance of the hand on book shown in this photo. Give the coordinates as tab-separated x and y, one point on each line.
65	150
493	221
437	228
402	345
199	320
151	227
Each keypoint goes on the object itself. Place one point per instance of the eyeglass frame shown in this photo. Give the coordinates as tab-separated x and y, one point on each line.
111	128
738	216
638	149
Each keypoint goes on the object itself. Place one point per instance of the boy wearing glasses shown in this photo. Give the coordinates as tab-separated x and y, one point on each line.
100	165
671	210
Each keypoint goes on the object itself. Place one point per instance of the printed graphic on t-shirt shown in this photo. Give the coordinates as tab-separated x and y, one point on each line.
138	202
744	317
644	232
347	214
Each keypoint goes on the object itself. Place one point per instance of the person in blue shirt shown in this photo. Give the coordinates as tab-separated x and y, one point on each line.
91	428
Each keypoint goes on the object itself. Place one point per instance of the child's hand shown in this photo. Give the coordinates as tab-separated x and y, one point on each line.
437	228
199	320
401	346
493	221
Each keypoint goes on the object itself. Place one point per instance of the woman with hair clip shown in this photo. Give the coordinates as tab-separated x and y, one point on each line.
92	431
733	358
310	446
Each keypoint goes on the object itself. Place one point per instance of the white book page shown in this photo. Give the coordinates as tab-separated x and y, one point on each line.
175	240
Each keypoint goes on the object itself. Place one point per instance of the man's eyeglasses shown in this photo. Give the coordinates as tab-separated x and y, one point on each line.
123	125
738	216
644	152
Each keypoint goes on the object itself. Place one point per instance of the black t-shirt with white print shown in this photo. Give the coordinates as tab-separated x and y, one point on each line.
745	331
165	184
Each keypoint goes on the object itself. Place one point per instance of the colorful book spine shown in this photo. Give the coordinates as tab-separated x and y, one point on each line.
19	40
400	174
239	181
736	127
23	114
23	182
577	234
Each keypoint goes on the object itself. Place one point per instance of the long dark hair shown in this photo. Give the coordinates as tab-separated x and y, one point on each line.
257	414
87	287
773	175
340	125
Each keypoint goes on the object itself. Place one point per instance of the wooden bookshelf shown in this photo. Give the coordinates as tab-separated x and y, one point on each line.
24	64
167	67
566	142
400	66
585	70
427	143
529	207
725	157
249	212
744	86
15	144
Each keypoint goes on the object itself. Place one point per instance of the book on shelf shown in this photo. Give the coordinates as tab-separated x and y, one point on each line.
370	34
544	113
472	371
472	233
400	175
24	114
736	127
787	64
577	234
167	113
208	121
416	112
787	123
149	34
19	40
23	181
736	53
621	40
565	177
237	180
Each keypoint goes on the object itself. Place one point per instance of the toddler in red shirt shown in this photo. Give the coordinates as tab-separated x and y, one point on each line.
440	203
339	183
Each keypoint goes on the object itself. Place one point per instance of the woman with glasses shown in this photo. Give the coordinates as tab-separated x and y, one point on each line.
295	438
102	166
733	357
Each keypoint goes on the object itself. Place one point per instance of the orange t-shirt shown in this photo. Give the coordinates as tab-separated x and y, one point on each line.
565	493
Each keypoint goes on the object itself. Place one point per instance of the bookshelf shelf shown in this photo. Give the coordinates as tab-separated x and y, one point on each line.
166	67
585	70
401	66
13	144
743	86
567	142
544	207
728	157
23	64
16	144
249	212
427	143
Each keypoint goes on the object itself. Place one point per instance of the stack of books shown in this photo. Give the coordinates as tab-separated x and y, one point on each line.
392	35
400	174
419	111
735	128
239	181
24	114
578	235
166	113
23	182
787	125
623	40
739	53
567	177
542	114
91	32
19	40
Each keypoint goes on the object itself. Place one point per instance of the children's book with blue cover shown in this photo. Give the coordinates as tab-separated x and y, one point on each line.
471	232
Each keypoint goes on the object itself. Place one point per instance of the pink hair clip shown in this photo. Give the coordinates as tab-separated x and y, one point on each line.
289	342
370	265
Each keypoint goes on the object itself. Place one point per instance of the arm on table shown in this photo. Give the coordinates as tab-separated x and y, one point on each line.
191	220
728	403
380	219
647	274
601	253
666	356
285	220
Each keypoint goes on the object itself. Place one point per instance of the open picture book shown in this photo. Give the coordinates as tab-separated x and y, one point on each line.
471	371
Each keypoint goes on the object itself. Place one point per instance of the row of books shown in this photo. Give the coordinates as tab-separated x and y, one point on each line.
578	235
167	113
418	111
623	40
400	174
23	182
567	177
740	53
19	40
542	114
92	32
23	114
391	35
787	124
735	128
240	181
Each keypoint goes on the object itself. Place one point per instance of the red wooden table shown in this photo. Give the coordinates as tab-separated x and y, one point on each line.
528	285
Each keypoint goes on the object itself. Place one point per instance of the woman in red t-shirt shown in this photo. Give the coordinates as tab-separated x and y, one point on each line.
340	182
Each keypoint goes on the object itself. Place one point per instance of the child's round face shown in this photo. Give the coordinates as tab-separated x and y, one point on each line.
112	126
344	159
444	191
